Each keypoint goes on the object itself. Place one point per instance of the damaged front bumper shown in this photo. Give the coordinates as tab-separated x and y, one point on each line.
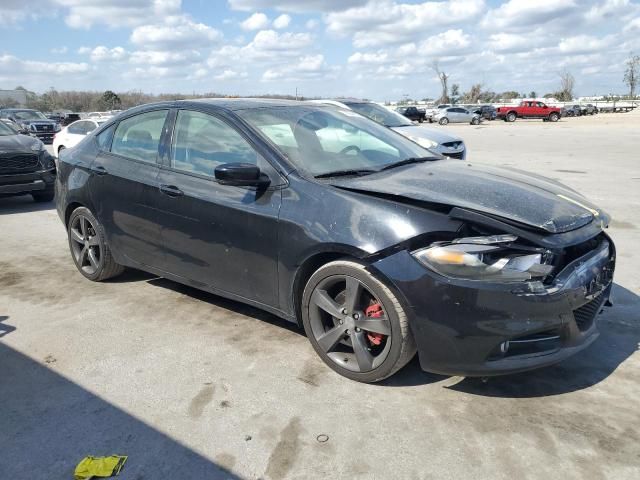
475	328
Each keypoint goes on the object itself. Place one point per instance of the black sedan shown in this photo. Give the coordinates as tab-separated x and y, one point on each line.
25	166
377	247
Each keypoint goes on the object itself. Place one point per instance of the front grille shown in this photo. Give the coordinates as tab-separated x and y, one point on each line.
19	164
43	127
585	315
457	155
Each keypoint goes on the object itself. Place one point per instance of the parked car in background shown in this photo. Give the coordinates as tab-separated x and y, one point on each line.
456	115
487	112
434	139
412	113
33	121
374	245
588	109
99	115
430	112
573	111
63	118
529	109
14	126
72	134
25	166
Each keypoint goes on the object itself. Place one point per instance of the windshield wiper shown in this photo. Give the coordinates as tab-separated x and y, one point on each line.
345	173
408	161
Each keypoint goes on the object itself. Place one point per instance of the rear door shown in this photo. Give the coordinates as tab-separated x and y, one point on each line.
216	235
124	186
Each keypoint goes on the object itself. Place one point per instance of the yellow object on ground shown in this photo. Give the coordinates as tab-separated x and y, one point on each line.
99	467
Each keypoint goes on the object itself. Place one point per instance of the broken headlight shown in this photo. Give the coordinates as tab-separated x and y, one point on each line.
493	258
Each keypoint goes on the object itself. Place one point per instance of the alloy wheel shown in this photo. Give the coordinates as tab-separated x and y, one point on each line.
85	244
349	324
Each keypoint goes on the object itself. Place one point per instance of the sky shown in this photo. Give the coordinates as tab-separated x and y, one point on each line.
376	49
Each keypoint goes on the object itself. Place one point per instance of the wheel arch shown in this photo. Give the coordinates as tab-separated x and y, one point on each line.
310	265
69	210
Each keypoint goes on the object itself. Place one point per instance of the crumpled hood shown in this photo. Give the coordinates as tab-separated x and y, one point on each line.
512	194
427	133
17	143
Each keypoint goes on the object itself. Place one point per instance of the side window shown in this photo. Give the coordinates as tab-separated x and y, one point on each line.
138	137
201	142
79	128
104	138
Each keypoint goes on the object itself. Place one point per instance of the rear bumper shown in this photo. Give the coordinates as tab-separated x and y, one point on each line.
17	184
476	329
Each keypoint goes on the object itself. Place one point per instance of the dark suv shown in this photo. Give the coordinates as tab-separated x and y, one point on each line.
34	121
25	166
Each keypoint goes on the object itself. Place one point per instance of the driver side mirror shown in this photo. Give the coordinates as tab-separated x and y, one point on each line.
241	175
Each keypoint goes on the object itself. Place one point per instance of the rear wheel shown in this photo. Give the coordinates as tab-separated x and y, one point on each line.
554	117
355	323
89	250
511	117
443	121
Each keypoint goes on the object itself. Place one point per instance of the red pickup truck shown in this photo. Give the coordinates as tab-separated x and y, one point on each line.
529	109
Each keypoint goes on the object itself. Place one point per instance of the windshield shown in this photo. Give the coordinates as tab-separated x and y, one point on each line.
28	115
6	130
380	114
322	140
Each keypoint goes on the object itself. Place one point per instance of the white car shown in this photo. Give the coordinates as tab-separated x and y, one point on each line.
432	139
73	133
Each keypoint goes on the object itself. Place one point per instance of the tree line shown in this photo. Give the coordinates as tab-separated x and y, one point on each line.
93	101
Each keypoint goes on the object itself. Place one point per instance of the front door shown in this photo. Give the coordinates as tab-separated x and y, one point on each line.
124	185
220	236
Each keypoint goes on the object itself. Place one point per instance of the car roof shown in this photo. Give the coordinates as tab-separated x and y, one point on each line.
246	103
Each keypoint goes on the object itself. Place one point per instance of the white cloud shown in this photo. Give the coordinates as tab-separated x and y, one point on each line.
295	5
230	75
18	67
282	21
164	58
15	11
382	22
311	24
120	13
255	22
105	54
307	67
176	32
518	14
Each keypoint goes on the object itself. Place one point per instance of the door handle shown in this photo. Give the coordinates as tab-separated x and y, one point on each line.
99	170
171	190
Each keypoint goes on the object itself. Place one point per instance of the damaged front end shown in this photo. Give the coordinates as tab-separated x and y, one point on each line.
497	297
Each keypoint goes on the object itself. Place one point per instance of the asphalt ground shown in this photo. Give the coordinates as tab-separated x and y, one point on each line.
192	386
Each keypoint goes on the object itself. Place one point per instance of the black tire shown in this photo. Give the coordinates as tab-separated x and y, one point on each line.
475	121
420	120
554	117
443	121
511	117
398	347
43	197
101	265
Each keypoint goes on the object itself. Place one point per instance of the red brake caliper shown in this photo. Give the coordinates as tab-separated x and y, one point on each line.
374	311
